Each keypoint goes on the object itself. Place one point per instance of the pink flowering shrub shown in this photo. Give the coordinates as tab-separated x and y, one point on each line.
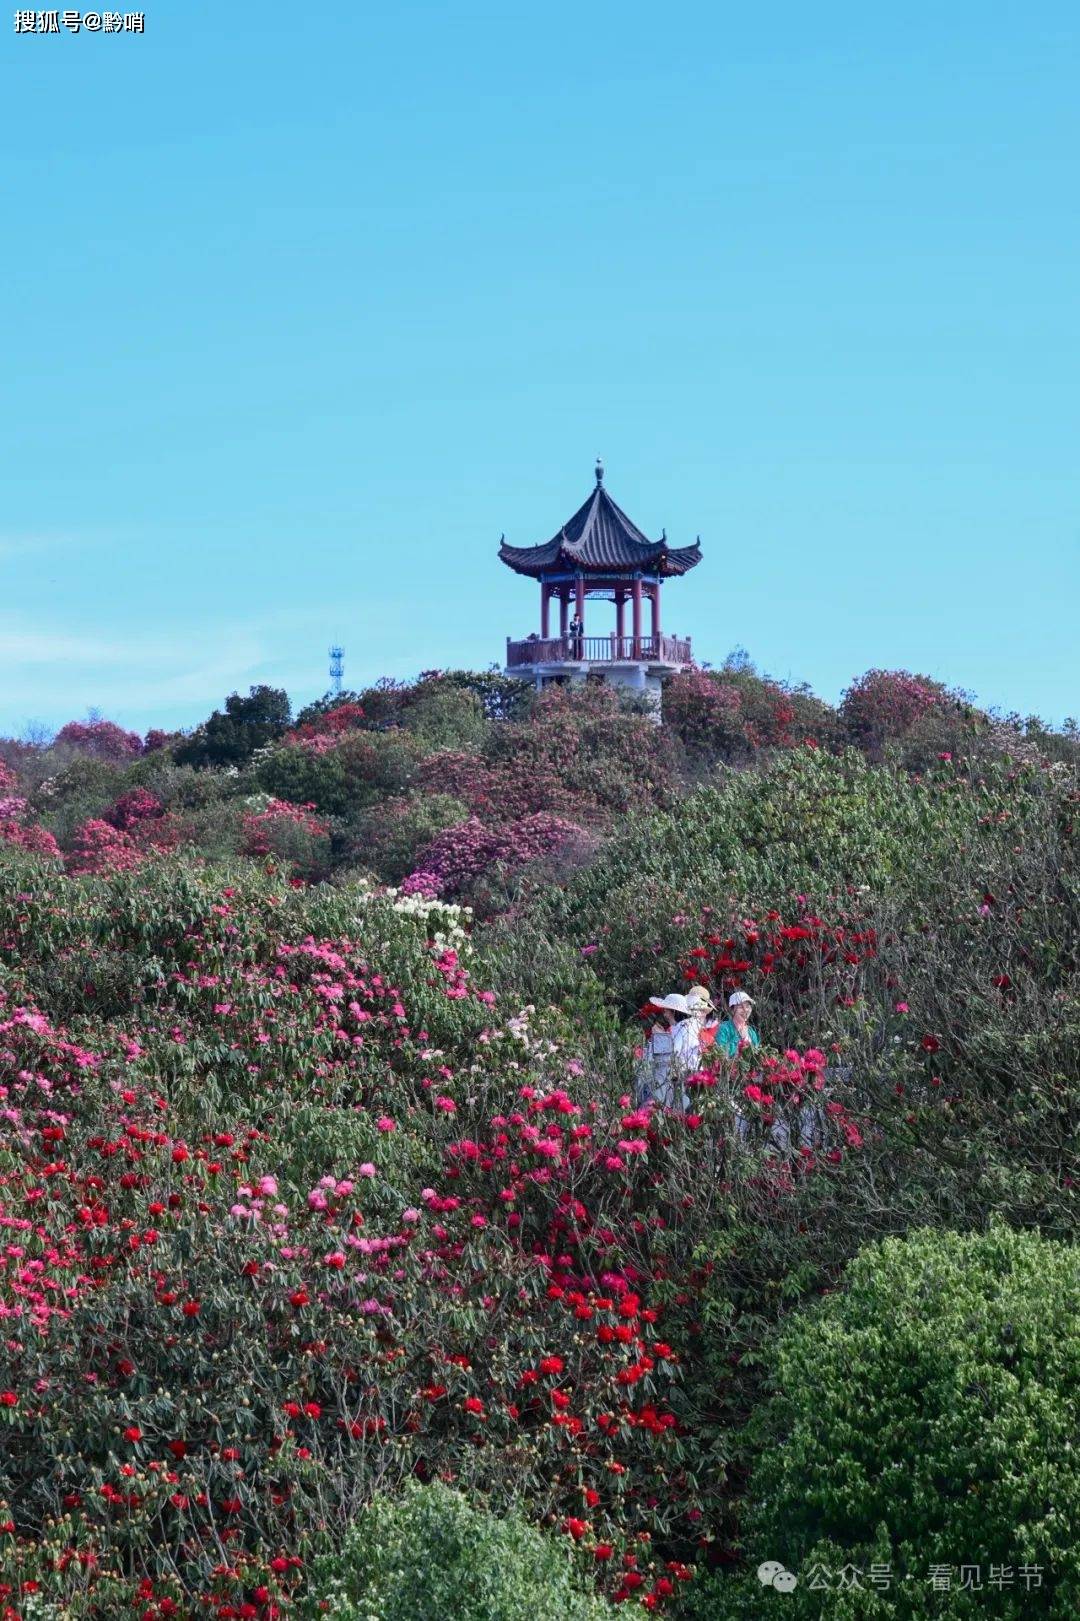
461	853
28	836
12	803
100	848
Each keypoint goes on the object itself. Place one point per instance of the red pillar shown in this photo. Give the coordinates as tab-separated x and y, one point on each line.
656	617
545	599
581	597
637	619
564	611
620	619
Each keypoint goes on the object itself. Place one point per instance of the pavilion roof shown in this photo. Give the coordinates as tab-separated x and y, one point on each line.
600	539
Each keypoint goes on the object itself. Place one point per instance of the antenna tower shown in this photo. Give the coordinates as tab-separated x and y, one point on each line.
337	669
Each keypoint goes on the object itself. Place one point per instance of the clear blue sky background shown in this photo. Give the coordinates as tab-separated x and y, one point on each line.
304	304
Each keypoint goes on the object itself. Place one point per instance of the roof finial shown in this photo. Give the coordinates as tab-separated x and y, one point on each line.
599	471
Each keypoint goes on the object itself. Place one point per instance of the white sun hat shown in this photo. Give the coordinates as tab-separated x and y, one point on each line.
676	1002
739	996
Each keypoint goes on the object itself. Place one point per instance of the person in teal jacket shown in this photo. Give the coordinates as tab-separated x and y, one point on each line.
737	1029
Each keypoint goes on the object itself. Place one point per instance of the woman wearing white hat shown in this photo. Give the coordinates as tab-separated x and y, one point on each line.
695	1035
654	1072
737	1031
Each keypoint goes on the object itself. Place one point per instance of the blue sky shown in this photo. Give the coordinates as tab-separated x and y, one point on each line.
305	304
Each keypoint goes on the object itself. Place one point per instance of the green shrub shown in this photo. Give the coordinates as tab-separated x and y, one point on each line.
928	1414
431	1554
388	836
446	717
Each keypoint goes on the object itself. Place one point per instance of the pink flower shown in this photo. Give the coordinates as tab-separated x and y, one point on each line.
367	1169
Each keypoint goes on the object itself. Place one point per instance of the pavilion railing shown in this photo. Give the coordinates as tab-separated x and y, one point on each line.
598	650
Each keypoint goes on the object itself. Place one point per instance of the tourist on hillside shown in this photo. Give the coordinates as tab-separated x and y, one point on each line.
695	1037
653	1075
737	1032
577	637
735	1035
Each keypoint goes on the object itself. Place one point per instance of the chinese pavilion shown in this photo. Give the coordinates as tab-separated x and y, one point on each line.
600	553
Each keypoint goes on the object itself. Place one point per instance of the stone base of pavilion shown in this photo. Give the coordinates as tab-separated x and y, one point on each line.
546	661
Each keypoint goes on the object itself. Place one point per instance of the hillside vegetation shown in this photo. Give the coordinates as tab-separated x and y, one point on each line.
342	1272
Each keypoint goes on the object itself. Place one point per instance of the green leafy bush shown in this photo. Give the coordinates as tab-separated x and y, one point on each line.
928	1414
230	737
388	836
431	1553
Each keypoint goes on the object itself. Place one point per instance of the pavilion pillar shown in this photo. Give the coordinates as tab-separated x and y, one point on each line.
656	617
564	611
637	618
580	588
545	600
620	619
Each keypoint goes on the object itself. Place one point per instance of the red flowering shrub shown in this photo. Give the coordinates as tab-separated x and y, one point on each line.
102	739
291	833
884	704
101	848
733	714
136	805
331	723
706	712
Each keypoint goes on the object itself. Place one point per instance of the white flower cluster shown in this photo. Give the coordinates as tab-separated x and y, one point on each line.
447	925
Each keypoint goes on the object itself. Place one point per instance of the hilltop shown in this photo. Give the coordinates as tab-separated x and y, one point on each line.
347	1271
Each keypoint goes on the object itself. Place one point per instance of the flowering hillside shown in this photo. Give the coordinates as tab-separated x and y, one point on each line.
328	1192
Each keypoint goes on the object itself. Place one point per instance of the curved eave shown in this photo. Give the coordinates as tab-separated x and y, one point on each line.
534	560
680	561
537	561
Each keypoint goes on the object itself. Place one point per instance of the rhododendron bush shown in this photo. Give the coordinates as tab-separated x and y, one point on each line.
311	1214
